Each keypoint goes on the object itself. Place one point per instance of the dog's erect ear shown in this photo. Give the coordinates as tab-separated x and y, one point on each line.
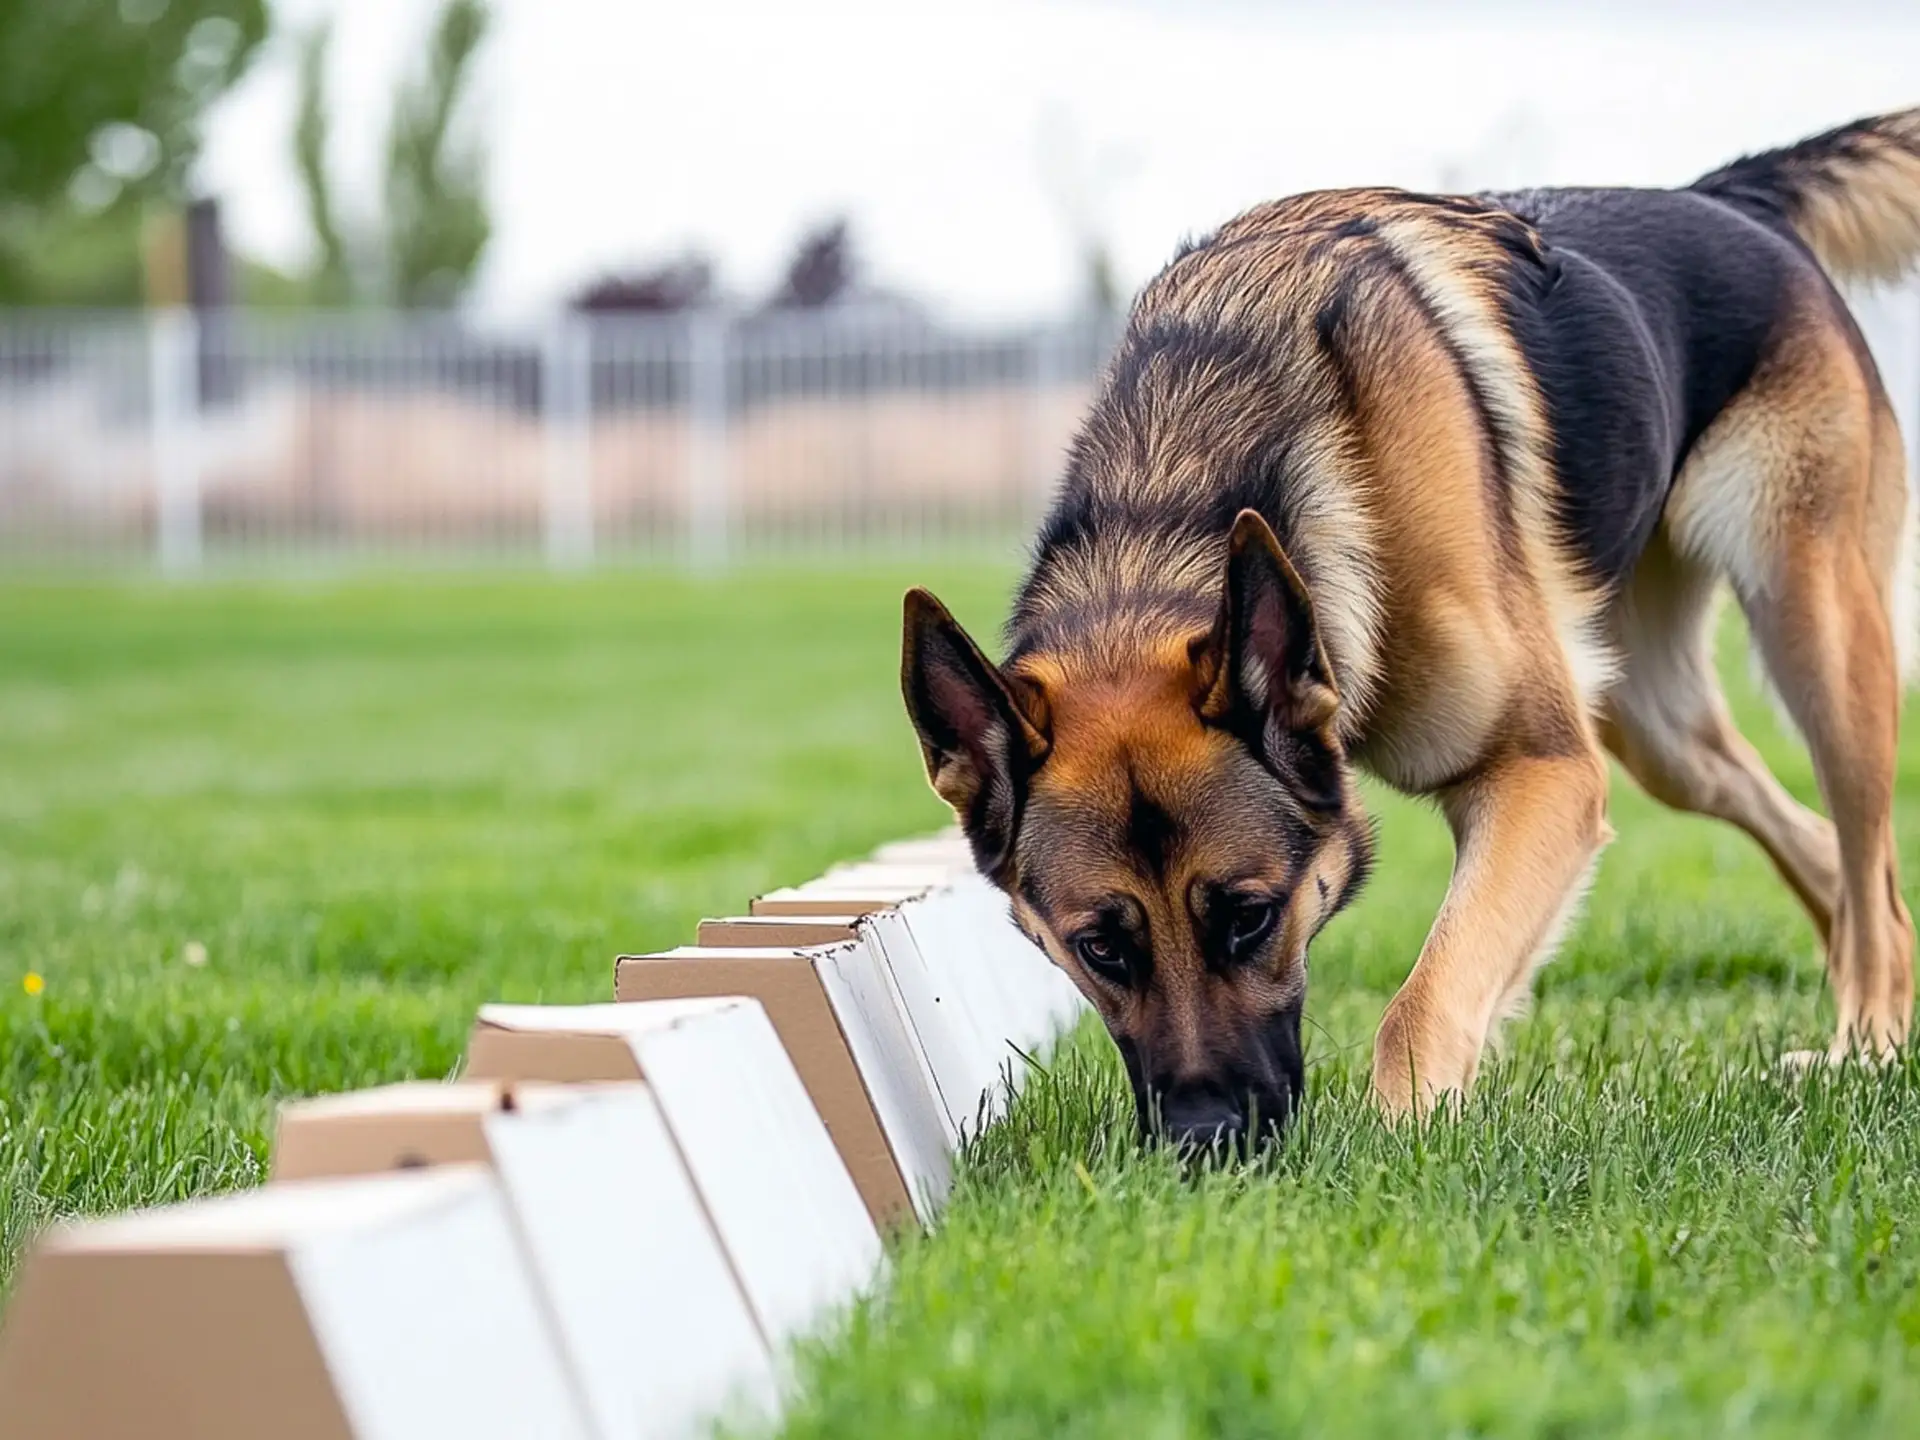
981	737
1261	670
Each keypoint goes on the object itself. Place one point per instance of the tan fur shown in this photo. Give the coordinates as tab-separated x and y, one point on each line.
1463	652
1864	223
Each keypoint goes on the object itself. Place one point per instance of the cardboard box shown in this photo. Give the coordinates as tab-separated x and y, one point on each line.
1043	1002
395	1127
754	931
975	990
779	1197
640	1290
955	1040
392	1306
946	847
822	900
865	873
838	1017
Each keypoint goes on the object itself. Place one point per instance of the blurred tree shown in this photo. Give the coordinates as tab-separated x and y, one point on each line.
437	222
434	225
112	90
332	279
100	105
822	271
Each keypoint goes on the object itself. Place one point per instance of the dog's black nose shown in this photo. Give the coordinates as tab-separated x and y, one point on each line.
1201	1118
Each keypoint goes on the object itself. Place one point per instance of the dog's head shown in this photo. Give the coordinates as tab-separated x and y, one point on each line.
1173	831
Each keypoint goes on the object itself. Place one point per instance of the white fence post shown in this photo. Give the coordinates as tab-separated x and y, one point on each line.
709	485
173	419
566	416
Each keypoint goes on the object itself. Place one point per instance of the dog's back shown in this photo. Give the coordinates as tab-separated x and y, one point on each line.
1594	334
1649	311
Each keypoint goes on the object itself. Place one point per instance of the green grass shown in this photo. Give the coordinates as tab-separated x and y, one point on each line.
378	803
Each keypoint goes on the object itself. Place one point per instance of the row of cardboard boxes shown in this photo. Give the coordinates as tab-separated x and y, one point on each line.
613	1225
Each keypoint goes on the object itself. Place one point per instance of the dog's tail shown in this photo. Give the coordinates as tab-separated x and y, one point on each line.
1852	194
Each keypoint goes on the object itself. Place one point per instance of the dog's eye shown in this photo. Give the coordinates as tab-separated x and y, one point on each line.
1102	956
1252	922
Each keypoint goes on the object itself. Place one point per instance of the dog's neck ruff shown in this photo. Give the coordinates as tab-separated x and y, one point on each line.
1114	601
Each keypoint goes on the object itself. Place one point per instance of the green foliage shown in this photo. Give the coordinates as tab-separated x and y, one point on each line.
377	805
437	223
100	108
434	223
112	87
332	279
62	256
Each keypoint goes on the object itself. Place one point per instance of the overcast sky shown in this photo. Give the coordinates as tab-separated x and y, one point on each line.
949	130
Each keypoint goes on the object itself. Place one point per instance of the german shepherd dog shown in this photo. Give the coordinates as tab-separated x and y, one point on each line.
1444	487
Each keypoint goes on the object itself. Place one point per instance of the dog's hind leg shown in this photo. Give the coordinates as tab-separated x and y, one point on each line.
1826	637
1667	723
1798	491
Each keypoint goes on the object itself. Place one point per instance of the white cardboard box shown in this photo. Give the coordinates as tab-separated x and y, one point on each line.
974	988
836	1011
641	1292
383	1308
946	847
780	1199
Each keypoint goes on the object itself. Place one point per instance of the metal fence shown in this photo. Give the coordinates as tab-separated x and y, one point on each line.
181	440
188	439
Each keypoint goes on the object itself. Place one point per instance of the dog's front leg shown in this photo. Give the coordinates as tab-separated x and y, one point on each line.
1526	831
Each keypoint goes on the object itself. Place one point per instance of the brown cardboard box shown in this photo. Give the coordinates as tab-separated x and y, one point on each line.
395	1127
819	900
864	1070
752	931
859	889
779	1195
576	1164
397	1304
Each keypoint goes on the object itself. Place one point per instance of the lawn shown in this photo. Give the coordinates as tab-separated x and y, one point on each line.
373	804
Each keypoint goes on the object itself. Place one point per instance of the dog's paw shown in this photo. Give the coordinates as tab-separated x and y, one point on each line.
1799	1062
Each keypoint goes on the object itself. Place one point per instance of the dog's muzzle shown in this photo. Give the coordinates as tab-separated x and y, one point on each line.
1198	1118
1246	1104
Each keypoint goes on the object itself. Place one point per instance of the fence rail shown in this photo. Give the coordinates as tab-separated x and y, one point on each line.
173	439
184	438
